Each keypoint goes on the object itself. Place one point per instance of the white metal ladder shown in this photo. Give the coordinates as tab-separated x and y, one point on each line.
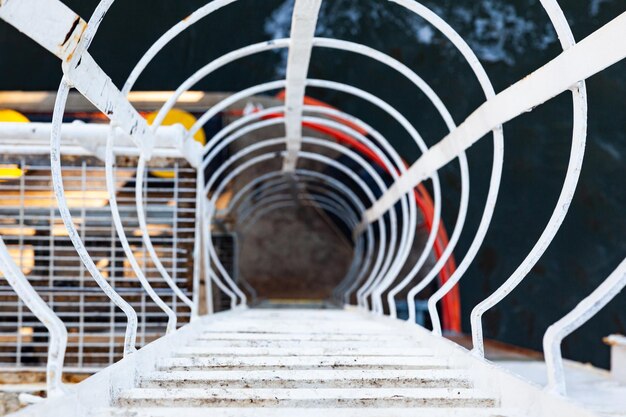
390	364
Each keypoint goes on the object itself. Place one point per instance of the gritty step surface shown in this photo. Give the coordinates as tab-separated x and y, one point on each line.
304	363
304	397
303	412
304	325
310	343
303	350
350	378
304	337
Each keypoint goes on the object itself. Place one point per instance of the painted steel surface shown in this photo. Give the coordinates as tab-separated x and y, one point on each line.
383	223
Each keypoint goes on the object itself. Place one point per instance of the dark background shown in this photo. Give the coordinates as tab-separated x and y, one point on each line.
511	38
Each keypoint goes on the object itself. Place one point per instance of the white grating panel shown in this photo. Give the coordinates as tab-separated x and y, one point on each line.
38	242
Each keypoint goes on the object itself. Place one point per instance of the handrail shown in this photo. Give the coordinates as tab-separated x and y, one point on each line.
41	310
585	310
119	227
579	96
147	240
57	179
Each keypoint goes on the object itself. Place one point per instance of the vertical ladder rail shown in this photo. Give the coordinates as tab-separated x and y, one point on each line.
303	24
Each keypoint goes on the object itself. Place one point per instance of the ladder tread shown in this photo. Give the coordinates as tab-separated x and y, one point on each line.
201	351
307	362
324	397
304	412
312	378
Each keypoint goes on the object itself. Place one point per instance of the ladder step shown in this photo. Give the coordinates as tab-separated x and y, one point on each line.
304	412
287	326
299	315
312	328
302	337
302	351
307	362
308	379
303	343
321	397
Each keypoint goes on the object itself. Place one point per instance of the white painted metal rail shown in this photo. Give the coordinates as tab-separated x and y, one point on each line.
382	216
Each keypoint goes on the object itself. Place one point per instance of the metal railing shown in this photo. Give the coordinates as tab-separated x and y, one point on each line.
383	215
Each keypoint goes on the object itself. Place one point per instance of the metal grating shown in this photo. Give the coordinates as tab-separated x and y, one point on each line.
38	242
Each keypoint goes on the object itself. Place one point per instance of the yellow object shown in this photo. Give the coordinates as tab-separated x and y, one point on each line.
11	172
7	115
176	116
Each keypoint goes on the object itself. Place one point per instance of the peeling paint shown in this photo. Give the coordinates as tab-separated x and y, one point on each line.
67	37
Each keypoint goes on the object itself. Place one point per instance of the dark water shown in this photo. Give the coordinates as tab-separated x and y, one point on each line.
511	38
